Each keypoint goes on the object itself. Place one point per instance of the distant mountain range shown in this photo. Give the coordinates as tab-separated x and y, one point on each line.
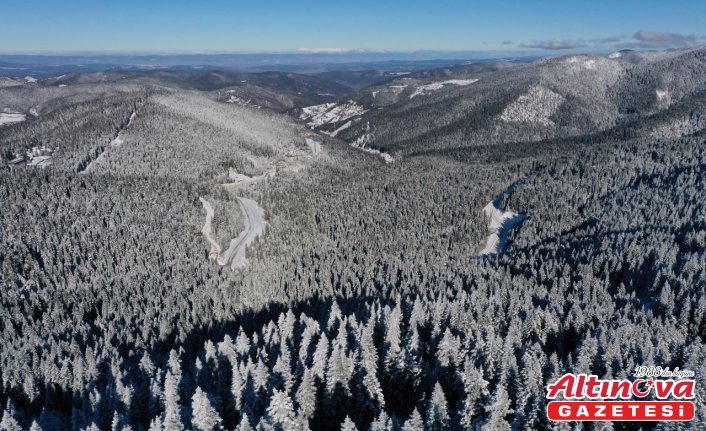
504	102
53	65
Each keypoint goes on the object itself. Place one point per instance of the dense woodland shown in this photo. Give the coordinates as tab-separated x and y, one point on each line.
364	306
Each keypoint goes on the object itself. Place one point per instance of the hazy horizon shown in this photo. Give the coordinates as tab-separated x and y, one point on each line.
163	27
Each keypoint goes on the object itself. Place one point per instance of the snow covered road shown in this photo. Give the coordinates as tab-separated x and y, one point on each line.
254	227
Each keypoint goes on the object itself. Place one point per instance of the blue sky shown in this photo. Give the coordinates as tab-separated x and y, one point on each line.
264	26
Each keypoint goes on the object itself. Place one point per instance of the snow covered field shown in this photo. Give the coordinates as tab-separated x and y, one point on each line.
330	113
362	142
7	118
428	88
535	106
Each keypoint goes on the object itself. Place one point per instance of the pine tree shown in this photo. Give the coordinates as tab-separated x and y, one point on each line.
8	422
393	338
348	425
382	423
368	364
415	422
281	411
244	424
438	412
172	409
319	362
306	395
499	408
474	387
204	416
156	425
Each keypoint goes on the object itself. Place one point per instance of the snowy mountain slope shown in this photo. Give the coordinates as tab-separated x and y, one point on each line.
549	98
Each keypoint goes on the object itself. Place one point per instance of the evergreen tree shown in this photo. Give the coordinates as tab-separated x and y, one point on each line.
415	422
348	425
438	412
8	421
306	395
281	411
204	416
172	410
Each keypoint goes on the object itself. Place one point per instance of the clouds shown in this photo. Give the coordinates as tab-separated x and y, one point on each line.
655	39
608	40
554	44
323	50
639	40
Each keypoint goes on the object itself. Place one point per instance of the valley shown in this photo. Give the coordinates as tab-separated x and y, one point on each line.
392	248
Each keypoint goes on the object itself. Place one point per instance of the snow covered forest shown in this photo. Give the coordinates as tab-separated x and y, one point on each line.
364	304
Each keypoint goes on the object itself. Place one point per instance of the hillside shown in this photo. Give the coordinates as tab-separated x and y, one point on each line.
552	98
425	253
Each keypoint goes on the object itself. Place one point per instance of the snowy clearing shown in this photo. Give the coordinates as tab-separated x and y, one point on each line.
397	89
428	88
254	227
330	113
235	100
7	118
362	142
501	222
385	156
535	106
30	79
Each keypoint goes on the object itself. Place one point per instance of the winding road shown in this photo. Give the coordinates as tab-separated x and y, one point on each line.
254	227
234	256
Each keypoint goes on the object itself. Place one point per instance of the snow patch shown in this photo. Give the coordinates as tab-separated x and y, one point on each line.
362	142
330	113
397	89
30	79
315	145
501	222
535	106
340	129
235	100
9	82
7	118
426	88
615	55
